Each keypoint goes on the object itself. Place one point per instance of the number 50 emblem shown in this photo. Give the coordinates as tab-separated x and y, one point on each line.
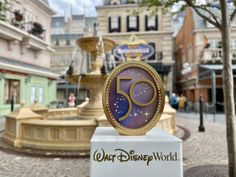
133	98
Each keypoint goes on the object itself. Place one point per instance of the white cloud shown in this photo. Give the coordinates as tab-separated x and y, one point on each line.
78	6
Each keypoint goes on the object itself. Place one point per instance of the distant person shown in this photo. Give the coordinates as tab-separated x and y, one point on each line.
182	102
177	98
173	101
72	100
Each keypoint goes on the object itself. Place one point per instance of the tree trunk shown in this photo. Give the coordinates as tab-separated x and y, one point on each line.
228	85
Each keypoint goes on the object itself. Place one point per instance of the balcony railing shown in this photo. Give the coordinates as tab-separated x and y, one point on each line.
216	55
28	34
16	19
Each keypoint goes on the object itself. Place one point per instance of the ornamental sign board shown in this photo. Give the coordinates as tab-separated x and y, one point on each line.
128	52
133	98
134	48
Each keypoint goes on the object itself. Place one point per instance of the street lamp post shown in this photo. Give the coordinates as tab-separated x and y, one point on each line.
185	71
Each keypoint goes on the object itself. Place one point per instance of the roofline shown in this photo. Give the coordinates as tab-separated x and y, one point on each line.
47	7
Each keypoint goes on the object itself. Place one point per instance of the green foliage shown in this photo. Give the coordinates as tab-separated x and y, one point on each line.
209	12
3	8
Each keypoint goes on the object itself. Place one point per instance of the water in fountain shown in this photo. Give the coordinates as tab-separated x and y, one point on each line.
79	66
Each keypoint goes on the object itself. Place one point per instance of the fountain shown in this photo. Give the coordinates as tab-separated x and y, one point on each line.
97	46
69	129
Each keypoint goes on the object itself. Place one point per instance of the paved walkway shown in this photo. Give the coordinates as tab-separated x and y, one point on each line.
204	156
217	118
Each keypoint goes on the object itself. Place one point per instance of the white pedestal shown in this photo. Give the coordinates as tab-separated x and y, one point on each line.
156	154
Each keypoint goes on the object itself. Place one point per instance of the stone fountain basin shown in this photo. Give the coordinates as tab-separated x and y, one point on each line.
58	135
89	44
60	130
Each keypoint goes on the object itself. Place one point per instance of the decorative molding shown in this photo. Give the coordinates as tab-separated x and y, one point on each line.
37	53
11	44
23	48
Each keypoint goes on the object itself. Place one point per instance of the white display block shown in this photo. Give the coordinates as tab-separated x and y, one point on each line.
156	154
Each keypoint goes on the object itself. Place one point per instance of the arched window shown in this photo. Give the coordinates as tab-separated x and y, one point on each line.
153	57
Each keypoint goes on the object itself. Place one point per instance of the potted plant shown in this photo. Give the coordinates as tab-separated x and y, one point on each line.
17	20
3	9
37	29
18	16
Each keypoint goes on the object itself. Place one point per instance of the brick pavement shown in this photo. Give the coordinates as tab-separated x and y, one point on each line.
202	152
218	118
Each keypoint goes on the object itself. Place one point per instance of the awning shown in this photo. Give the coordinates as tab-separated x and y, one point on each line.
14	65
215	67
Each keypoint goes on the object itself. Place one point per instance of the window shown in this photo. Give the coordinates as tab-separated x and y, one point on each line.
214	43
233	43
114	24
153	57
29	18
41	95
11	90
32	94
190	54
151	22
132	23
57	42
68	42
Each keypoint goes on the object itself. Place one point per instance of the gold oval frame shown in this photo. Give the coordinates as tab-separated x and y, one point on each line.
160	105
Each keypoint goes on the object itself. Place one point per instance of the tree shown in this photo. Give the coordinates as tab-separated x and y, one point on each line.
221	21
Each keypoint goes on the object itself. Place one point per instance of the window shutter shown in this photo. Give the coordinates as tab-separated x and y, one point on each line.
119	24
109	24
156	25
137	23
146	23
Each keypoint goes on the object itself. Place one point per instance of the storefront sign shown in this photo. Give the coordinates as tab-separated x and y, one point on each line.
133	51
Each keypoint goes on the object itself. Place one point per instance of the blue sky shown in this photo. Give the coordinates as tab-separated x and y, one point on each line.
78	6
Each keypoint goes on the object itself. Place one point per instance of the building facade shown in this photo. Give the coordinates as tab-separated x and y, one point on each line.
198	43
117	21
25	53
65	32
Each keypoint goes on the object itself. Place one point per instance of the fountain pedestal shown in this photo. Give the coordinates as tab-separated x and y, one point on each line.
94	83
94	80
